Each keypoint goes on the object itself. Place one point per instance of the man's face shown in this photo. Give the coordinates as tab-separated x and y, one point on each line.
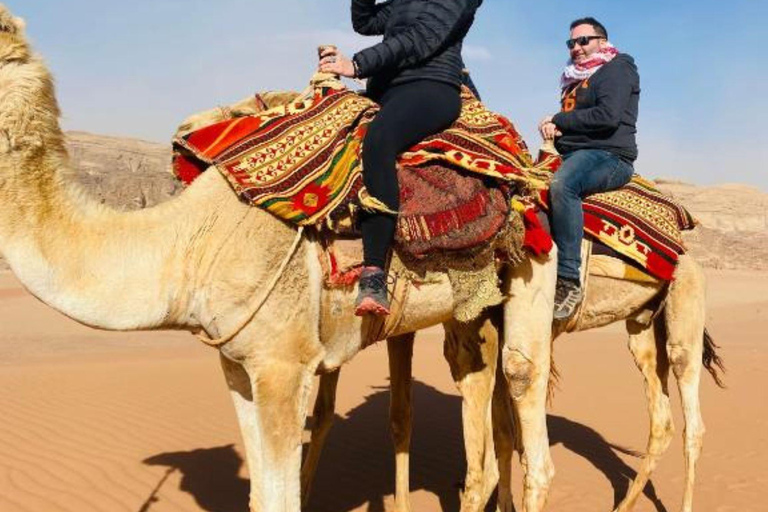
581	53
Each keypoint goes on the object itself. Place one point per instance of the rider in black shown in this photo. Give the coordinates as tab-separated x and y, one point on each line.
415	74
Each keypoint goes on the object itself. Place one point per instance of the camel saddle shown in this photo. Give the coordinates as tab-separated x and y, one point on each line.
301	161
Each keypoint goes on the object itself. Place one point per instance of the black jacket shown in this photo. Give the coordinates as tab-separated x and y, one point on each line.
605	113
422	40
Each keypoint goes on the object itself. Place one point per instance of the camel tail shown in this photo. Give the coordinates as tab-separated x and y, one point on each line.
712	361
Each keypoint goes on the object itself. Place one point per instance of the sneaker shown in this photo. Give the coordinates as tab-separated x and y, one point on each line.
372	299
568	297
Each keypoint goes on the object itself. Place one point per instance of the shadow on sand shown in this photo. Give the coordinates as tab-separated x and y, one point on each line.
357	466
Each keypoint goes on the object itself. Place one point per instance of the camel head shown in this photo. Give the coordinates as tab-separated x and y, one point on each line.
28	109
13	42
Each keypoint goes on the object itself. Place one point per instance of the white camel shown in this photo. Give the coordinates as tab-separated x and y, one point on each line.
206	261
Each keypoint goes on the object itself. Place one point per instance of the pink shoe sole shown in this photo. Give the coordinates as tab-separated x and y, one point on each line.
370	307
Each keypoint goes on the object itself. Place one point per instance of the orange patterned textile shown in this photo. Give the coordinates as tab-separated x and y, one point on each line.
302	161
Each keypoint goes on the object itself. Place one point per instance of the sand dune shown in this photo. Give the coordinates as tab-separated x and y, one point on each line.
141	422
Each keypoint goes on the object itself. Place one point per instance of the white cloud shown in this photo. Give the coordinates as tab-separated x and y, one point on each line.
474	53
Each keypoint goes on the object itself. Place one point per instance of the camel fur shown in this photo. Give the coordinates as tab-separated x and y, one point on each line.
194	263
672	337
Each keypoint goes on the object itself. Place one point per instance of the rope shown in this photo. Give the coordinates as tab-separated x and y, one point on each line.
259	303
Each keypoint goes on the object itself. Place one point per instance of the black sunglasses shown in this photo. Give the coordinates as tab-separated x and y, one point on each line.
581	41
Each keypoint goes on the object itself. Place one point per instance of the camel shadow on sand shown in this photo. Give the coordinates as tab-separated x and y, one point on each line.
357	465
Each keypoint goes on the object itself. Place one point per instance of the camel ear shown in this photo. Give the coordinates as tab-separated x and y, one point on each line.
20	24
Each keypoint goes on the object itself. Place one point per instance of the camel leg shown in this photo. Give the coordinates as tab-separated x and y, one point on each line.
504	440
684	319
472	351
242	396
270	400
526	366
654	366
322	416
400	350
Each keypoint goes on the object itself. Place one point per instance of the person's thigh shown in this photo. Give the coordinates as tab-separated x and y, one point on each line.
417	110
590	171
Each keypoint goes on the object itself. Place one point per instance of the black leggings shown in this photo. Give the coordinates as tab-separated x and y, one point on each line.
409	113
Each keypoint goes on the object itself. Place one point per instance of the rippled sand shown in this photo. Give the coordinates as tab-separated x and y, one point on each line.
142	422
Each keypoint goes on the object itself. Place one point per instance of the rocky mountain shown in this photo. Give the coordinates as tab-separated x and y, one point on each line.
130	174
733	230
123	173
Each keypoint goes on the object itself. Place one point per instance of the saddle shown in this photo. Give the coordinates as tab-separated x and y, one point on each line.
468	195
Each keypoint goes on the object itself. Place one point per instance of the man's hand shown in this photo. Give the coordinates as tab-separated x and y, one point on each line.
331	61
548	130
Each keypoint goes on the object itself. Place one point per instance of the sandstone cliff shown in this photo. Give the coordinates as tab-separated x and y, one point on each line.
733	233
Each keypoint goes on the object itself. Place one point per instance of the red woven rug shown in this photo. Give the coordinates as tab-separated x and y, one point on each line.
442	209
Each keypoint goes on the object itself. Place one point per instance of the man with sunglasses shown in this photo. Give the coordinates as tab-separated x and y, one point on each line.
595	134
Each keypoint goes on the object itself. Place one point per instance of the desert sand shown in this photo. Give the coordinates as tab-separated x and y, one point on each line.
140	422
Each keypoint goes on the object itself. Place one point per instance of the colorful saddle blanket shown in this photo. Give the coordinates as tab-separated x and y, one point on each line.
637	221
302	162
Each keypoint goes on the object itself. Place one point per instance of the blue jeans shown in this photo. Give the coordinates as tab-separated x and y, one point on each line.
584	172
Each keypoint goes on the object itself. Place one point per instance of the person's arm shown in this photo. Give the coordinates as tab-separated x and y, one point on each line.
612	98
429	32
369	18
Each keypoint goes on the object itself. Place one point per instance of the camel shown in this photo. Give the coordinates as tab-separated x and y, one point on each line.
476	387
207	262
665	327
665	324
666	330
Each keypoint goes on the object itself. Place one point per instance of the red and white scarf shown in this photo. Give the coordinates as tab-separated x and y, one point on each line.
575	73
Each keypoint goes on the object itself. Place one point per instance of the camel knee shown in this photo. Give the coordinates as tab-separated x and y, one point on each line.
518	371
661	435
694	436
679	360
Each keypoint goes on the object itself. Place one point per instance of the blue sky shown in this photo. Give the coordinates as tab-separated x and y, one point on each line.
137	68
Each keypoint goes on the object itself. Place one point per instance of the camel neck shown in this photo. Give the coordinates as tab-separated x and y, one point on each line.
104	268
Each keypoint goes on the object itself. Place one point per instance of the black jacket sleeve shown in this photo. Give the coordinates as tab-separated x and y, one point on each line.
425	37
612	97
370	19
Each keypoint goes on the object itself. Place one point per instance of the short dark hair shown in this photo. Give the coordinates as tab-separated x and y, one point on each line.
599	28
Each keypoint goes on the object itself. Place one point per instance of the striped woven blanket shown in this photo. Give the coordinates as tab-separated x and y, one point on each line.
302	161
637	221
